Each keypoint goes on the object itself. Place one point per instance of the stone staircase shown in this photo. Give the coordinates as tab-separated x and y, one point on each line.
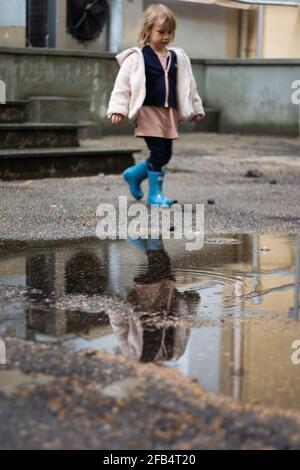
45	149
59	109
29	136
13	111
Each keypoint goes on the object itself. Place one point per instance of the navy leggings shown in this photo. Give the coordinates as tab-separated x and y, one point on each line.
160	152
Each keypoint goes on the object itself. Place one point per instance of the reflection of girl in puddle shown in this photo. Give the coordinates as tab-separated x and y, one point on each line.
153	332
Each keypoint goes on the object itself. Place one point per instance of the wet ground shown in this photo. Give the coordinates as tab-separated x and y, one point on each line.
204	166
91	400
226	315
200	346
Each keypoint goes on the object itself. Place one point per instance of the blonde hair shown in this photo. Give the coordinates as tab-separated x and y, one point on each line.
153	13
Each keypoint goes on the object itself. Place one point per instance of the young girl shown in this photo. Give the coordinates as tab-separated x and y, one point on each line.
155	88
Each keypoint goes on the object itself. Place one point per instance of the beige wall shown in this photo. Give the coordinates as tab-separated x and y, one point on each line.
205	31
232	33
12	36
132	14
281	32
13	23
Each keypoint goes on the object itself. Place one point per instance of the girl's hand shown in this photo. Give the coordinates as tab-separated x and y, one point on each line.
117	119
197	117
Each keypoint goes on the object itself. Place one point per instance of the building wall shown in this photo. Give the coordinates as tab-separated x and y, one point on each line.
254	96
205	30
13	23
132	13
281	32
214	29
64	40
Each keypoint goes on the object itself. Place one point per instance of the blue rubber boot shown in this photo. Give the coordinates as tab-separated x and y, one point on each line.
138	244
144	245
155	195
134	175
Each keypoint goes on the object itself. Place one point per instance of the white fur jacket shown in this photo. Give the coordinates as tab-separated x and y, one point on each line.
129	90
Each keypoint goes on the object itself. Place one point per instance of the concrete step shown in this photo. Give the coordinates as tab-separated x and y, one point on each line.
211	123
28	135
13	111
59	109
63	162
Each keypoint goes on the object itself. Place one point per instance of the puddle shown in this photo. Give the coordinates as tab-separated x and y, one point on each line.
226	315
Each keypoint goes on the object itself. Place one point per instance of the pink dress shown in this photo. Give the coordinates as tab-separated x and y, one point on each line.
154	121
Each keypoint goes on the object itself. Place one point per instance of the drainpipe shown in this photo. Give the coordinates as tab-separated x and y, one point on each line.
116	25
244	34
260	30
237	370
294	311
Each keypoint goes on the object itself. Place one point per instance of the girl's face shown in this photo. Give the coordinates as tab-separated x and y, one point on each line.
160	35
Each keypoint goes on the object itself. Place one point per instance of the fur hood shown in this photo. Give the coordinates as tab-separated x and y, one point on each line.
129	91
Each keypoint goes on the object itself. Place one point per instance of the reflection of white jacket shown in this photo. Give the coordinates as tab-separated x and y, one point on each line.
129	91
129	332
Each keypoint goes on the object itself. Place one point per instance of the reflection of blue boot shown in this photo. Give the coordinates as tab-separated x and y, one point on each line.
156	196
155	244
149	244
134	175
138	244
144	245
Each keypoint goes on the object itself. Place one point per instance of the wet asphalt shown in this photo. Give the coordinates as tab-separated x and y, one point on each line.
91	400
60	399
205	167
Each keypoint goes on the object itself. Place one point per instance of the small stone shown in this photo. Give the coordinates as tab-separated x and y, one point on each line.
253	174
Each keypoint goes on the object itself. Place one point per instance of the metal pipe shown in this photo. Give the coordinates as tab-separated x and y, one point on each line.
288	3
260	31
116	25
244	34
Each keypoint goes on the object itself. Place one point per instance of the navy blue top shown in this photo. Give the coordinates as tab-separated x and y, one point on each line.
155	79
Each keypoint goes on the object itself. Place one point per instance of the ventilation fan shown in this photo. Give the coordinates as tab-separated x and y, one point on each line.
86	18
